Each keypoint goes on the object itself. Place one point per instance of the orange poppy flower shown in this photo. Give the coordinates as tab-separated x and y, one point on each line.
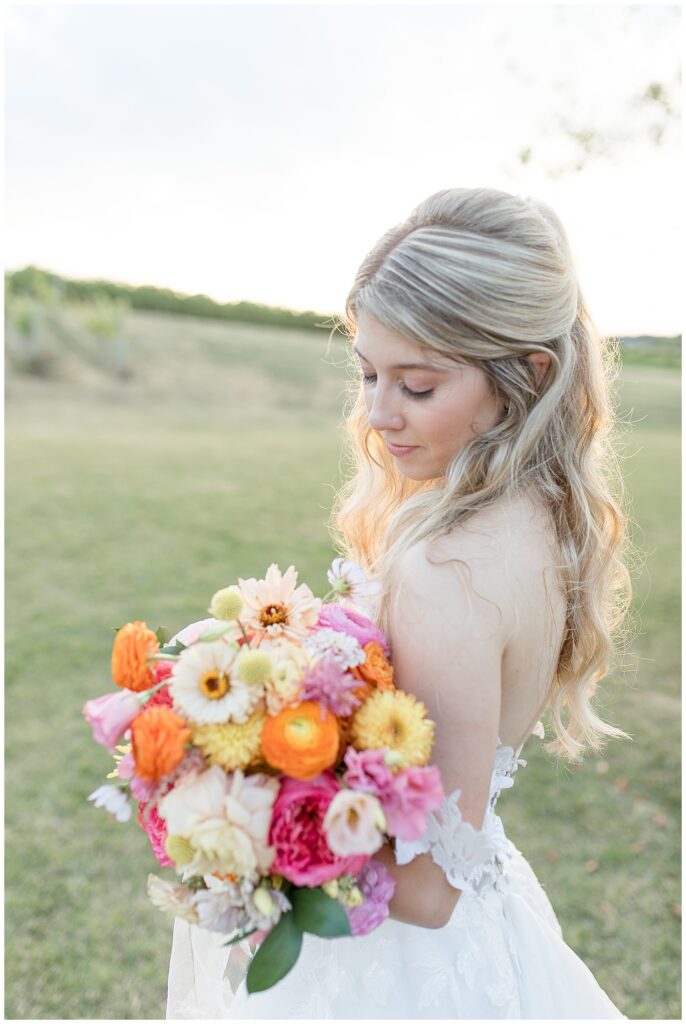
132	645
299	742
158	736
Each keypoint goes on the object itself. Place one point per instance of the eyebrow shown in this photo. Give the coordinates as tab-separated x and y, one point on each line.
409	366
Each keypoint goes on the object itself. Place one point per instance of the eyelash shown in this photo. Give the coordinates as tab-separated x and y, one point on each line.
368	378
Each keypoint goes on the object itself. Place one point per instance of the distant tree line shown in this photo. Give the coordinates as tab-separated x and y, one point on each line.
36	283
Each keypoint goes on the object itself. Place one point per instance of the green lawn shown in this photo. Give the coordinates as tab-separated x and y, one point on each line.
139	499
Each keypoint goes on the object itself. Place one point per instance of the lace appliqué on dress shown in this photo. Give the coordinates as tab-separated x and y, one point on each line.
467	855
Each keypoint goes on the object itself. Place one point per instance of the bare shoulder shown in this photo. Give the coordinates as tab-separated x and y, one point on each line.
480	567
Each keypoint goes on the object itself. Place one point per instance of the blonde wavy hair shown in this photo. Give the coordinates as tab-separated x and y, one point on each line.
488	277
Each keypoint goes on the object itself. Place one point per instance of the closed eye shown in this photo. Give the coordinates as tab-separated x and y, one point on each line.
369	378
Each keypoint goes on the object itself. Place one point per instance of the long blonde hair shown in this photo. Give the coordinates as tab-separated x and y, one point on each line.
482	275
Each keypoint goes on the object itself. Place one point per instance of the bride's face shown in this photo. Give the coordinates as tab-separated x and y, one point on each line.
426	407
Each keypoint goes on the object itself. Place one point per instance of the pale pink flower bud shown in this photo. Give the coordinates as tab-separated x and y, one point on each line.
110	716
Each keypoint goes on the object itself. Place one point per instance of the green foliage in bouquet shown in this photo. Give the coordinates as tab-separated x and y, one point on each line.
313	911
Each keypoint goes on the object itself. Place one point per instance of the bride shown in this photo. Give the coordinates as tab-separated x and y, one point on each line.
480	506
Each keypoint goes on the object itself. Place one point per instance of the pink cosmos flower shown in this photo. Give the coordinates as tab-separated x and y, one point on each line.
329	684
297	833
377	885
110	716
347	620
156	829
406	797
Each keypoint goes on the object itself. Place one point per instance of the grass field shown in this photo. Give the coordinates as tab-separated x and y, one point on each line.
138	499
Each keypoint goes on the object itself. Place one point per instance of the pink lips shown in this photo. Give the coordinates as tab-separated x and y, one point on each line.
400	449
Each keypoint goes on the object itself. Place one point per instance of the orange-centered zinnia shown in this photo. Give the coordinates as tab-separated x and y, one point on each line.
299	742
214	685
272	614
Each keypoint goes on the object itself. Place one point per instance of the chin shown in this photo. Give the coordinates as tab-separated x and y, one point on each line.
417	473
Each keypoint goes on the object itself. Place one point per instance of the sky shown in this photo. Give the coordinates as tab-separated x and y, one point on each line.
257	152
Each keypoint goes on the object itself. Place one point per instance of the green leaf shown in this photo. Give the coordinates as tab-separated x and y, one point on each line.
239	938
174	648
216	632
318	913
162	634
277	954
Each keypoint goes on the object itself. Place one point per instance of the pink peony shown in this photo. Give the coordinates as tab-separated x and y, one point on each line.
346	620
297	833
406	796
156	828
110	716
377	885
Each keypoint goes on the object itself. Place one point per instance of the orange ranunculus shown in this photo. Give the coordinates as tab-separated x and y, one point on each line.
376	671
345	732
158	736
132	645
299	742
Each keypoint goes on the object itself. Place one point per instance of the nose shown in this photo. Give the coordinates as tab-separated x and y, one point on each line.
381	411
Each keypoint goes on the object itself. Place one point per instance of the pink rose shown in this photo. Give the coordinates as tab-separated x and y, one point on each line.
156	827
297	833
110	716
346	620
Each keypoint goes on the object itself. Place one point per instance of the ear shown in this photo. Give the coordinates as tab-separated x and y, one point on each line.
540	362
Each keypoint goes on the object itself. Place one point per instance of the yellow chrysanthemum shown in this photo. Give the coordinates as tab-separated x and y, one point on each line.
396	721
231	745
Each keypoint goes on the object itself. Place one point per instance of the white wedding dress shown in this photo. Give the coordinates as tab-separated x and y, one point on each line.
500	956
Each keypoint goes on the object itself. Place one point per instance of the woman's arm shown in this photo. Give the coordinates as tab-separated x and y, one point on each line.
448	630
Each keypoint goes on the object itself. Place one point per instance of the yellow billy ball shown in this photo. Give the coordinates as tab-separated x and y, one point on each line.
254	667
226	604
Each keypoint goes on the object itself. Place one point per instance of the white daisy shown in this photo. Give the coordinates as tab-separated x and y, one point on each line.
334	644
351	584
205	688
114	800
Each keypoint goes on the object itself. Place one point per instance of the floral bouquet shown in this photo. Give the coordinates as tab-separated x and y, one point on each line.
270	755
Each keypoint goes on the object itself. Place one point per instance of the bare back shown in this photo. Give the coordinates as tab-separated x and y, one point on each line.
519	538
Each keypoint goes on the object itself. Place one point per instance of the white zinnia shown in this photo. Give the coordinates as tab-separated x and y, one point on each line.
114	800
332	643
275	607
207	690
226	819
